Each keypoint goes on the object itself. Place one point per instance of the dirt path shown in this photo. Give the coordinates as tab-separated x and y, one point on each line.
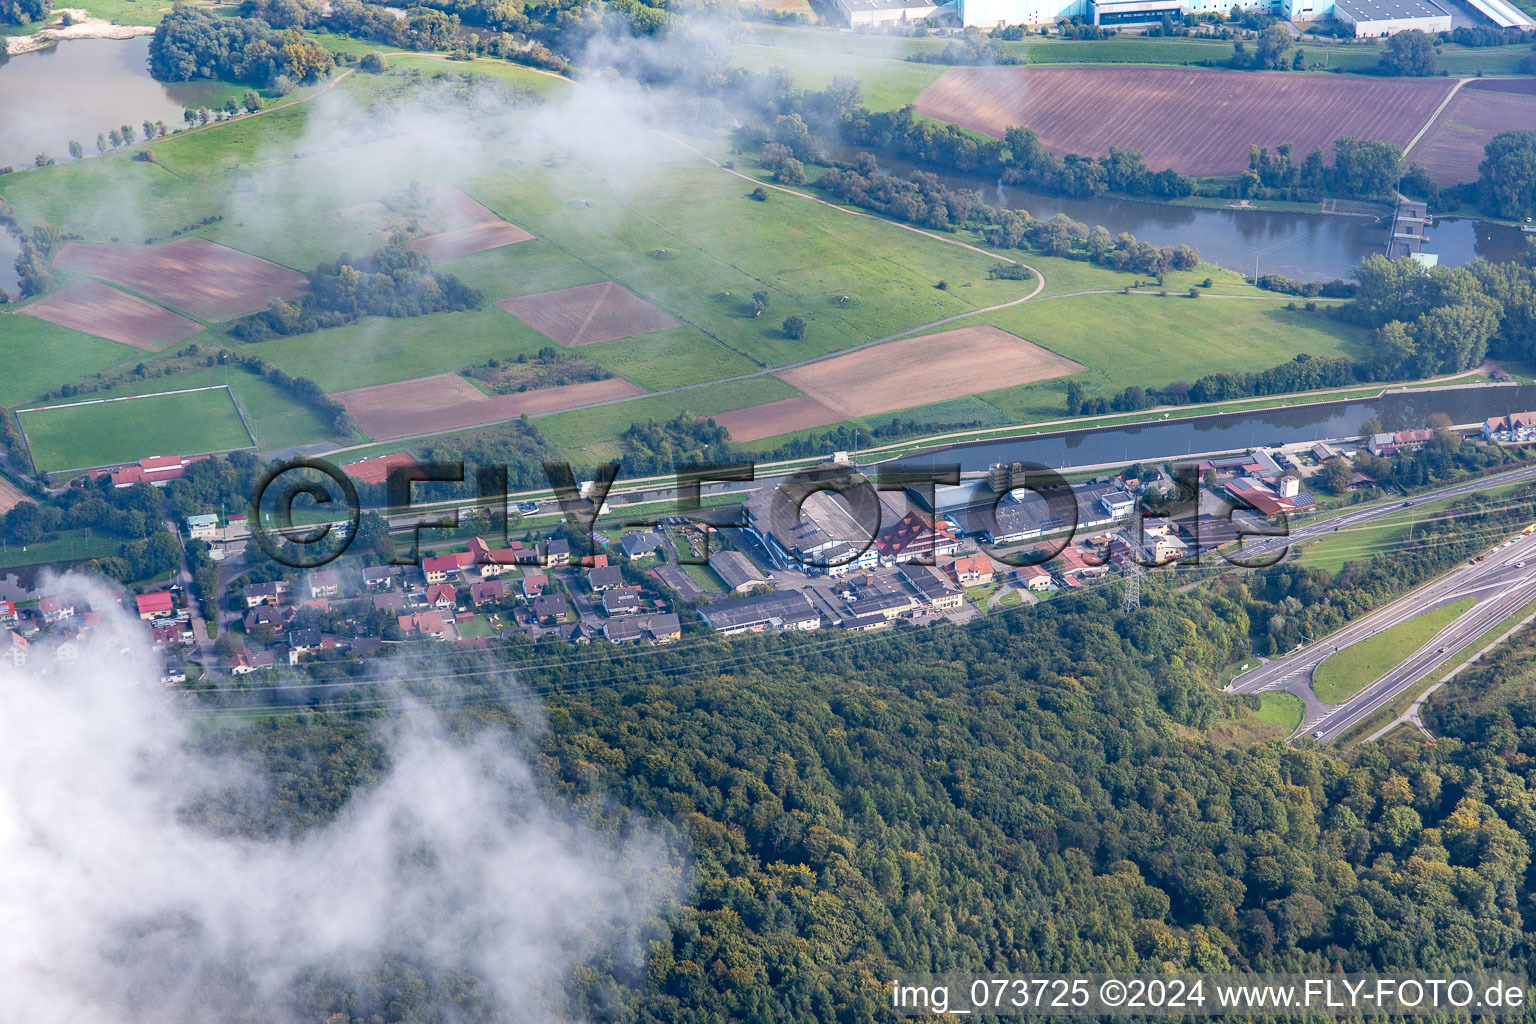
1436	115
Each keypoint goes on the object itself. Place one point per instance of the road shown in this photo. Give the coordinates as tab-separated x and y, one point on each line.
1255	548
1501	583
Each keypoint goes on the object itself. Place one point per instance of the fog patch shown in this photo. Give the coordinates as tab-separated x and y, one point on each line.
117	909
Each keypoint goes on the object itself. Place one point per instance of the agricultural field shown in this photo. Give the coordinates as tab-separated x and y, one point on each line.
897	375
640	251
449	402
210	281
102	433
796	46
1087	110
479	230
1453	146
94	308
588	314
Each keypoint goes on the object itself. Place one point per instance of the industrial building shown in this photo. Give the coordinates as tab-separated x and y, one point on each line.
823	534
883	12
1384	17
995	13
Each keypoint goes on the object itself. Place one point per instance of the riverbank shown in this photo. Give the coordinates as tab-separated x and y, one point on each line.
82	26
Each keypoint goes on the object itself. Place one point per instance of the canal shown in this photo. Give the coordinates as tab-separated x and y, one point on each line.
1402	410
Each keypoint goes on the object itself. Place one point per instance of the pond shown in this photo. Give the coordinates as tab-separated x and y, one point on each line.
81	87
74	90
1304	246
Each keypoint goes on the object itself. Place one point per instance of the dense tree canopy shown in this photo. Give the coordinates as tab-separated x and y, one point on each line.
192	42
1507	176
22	12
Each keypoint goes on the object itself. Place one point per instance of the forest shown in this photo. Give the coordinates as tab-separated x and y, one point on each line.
394	281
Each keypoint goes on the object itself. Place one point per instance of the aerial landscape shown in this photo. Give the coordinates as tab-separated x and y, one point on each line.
767	510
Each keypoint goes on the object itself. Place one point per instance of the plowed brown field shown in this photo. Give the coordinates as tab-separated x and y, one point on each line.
1198	121
587	314
94	308
447	401
1453	147
208	280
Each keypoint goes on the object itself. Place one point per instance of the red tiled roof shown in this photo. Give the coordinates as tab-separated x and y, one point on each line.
159	601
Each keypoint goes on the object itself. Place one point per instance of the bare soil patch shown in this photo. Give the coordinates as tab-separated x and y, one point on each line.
1453	147
463	241
95	308
447	401
588	314
931	368
10	495
1196	121
480	229
208	280
759	421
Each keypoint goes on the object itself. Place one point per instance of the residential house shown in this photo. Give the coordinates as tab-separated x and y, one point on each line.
549	606
639	545
604	577
8	616
324	583
56	609
173	671
533	584
442	596
393	602
621	601
487	592
164	633
557	553
13	648
1517	426
427	626
302	642
971	571
157	604
266	593
440	568
246	662
265	615
380	577
662	627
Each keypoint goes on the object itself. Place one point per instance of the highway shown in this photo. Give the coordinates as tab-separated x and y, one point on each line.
1255	548
1501	583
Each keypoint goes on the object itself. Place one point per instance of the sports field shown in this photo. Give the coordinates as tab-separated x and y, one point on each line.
107	432
1086	110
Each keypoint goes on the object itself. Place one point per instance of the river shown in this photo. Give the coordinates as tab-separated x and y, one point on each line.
1305	246
1402	410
